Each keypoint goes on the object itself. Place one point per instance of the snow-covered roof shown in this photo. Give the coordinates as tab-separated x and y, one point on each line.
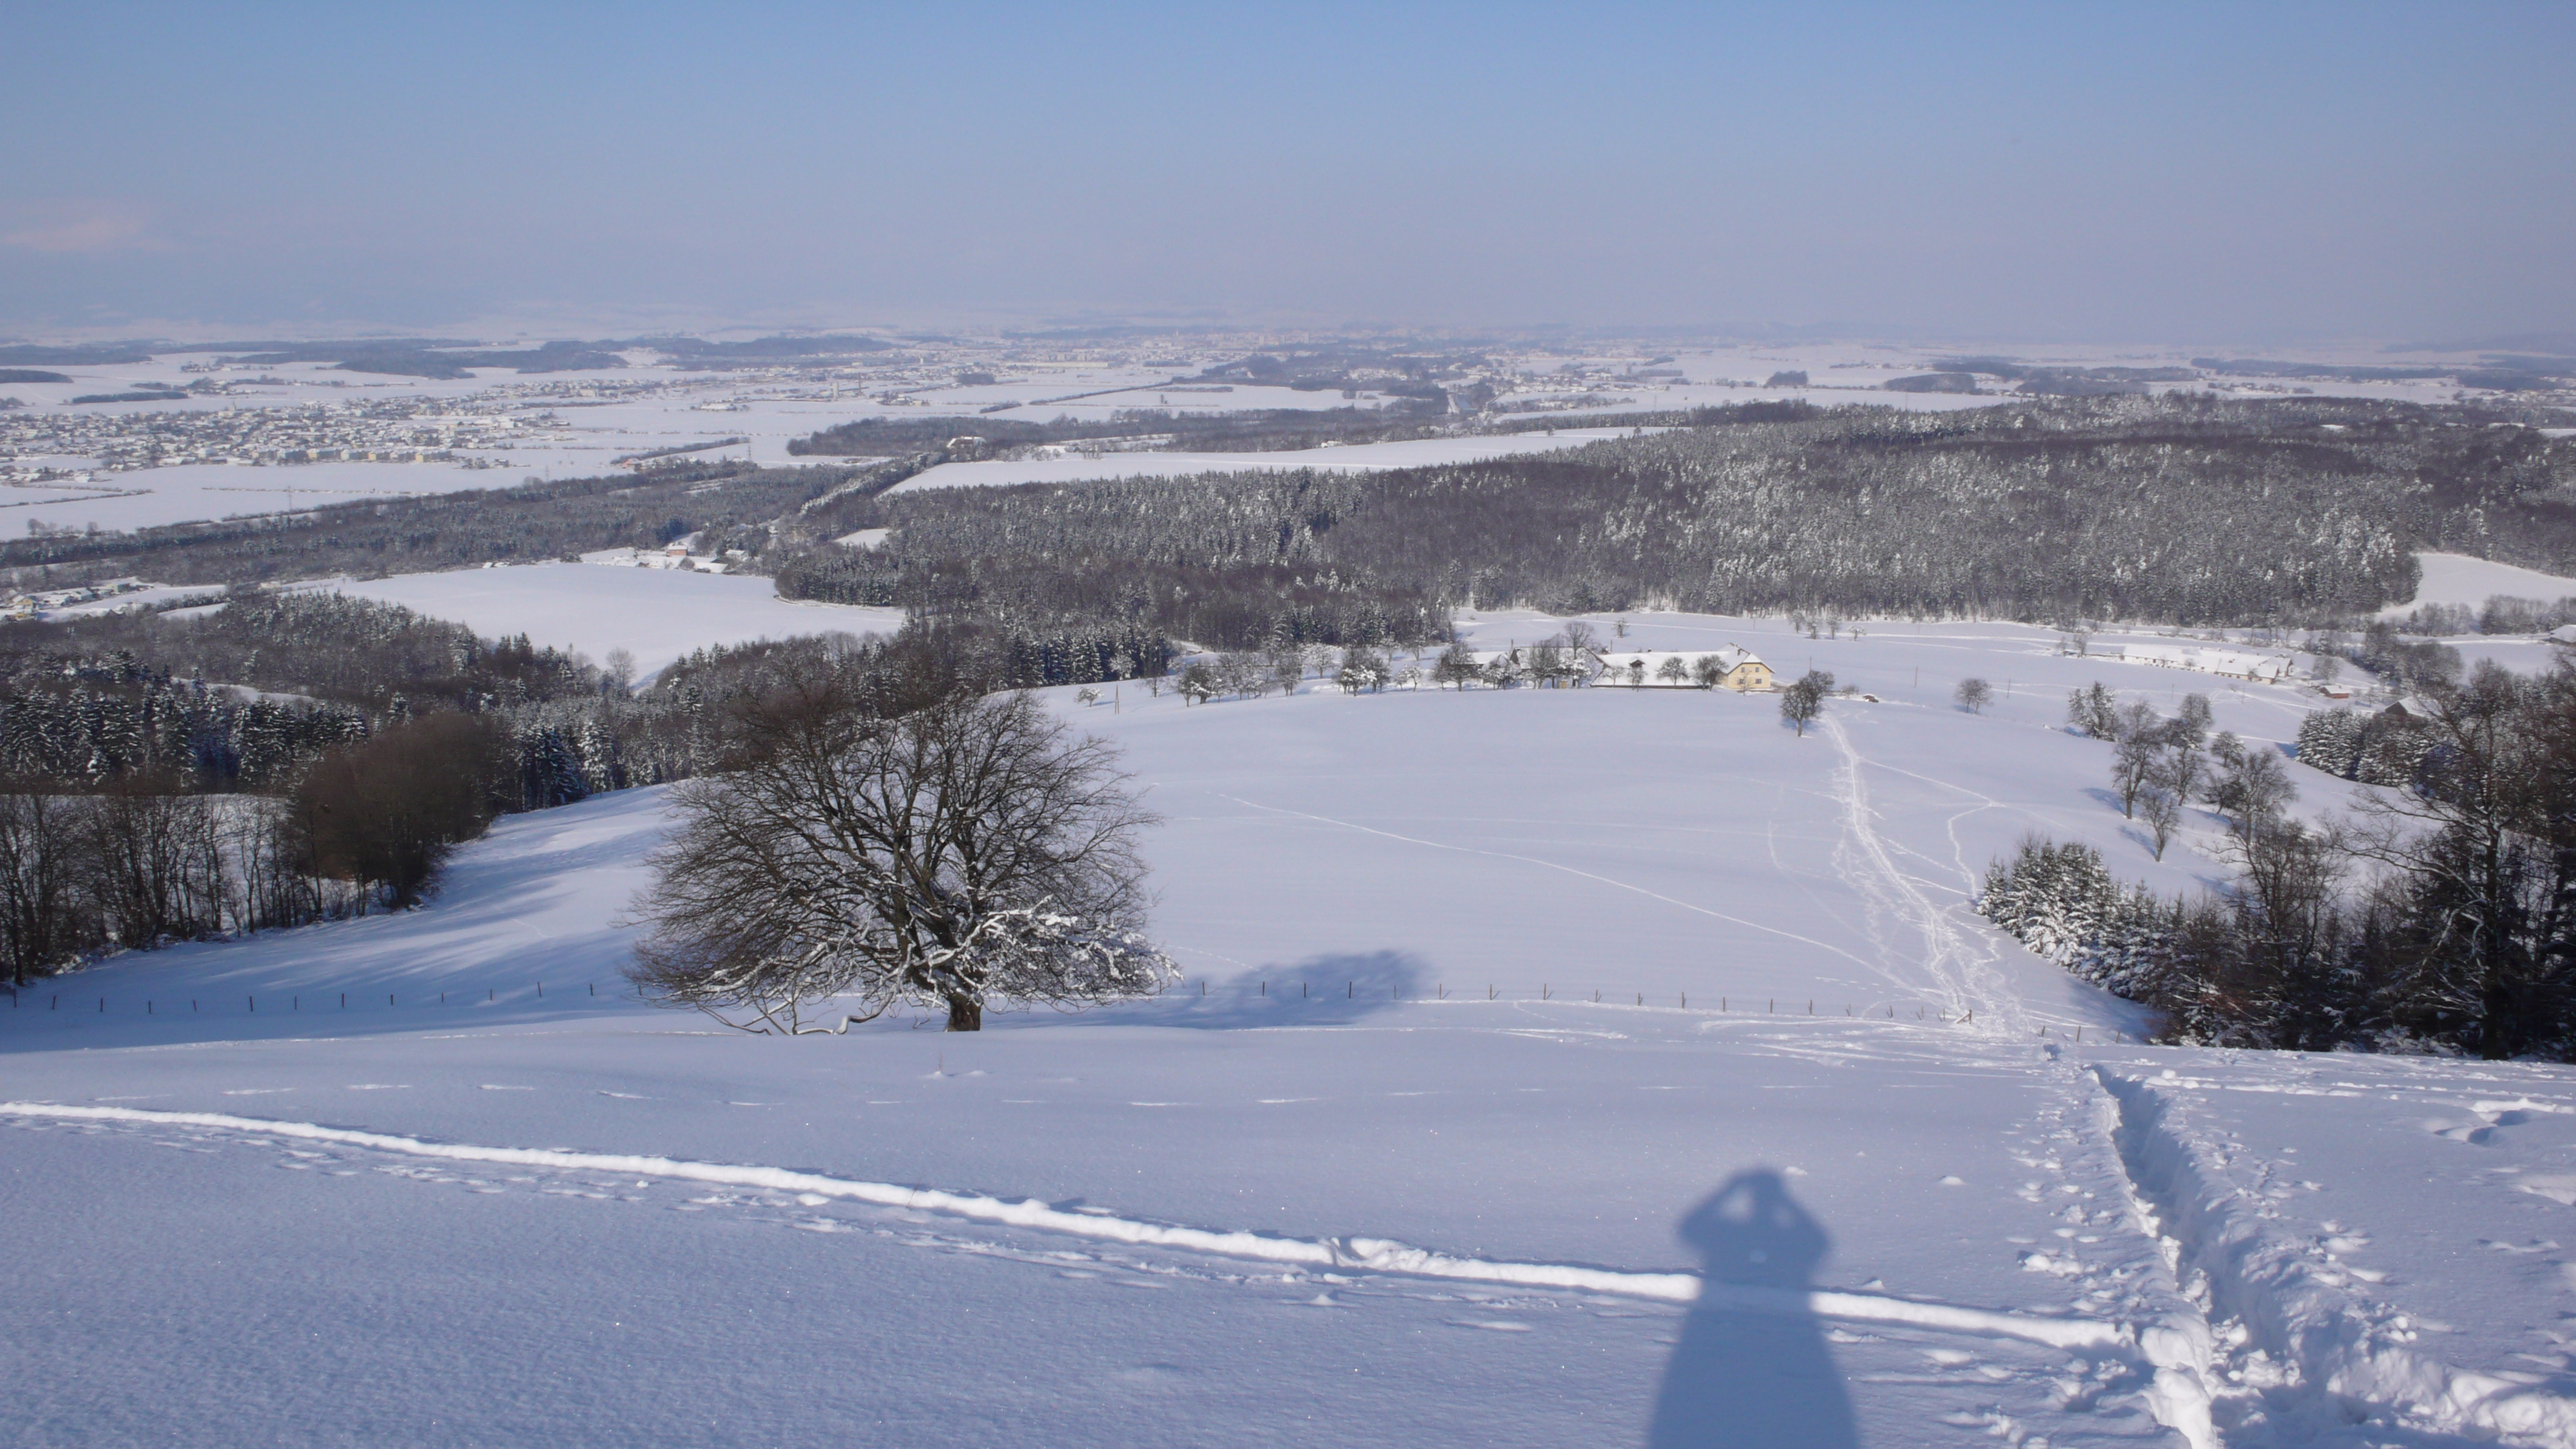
1729	659
2237	662
1647	665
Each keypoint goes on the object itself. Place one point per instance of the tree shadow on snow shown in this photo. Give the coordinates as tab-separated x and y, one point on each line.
1750	1369
1327	990
2107	799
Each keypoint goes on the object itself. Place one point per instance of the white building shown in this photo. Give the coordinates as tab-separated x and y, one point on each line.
2225	663
1732	667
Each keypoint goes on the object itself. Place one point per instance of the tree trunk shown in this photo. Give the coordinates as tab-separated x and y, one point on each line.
965	1013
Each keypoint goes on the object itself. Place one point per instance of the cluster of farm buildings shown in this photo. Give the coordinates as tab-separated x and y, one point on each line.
1732	667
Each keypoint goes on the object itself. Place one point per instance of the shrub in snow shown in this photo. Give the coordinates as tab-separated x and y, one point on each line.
1362	669
2094	711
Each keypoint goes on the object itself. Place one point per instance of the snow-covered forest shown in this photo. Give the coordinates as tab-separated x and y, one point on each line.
2176	510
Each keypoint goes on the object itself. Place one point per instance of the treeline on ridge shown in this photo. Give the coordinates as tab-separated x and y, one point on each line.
138	805
534	522
2184	510
1261	430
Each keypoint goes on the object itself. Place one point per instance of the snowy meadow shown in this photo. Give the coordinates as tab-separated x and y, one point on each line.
1547	1066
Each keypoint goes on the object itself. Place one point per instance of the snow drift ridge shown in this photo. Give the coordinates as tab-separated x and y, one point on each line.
1377	1255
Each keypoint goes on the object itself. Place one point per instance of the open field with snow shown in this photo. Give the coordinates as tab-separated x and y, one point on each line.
1457	1199
2452	578
657	615
1359	457
581	422
188	492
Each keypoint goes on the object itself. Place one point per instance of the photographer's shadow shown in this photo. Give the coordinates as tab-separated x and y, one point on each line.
1752	1368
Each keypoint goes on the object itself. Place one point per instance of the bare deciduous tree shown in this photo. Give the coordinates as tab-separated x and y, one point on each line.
389	810
2162	812
1801	702
2134	759
40	899
2482	835
2253	792
2185	772
1973	695
970	851
1457	665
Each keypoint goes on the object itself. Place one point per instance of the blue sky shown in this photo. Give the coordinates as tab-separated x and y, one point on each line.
2251	173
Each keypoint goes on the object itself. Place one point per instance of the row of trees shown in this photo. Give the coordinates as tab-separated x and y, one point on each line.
2501	614
140	861
75	720
1257	430
1252	674
123	836
2440	914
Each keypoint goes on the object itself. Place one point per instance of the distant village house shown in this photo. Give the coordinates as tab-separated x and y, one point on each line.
1728	668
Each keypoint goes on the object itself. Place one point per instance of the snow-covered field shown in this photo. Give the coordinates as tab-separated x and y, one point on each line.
582	422
2454	578
1356	458
150	497
658	615
1458	1200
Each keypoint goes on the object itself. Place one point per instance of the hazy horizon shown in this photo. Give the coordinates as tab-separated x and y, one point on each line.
2192	174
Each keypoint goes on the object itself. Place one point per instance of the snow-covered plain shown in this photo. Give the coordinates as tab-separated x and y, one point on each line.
1356	458
150	497
658	615
1460	1200
577	423
2456	578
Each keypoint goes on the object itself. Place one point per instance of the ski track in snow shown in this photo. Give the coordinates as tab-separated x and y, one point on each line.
1344	1254
1960	967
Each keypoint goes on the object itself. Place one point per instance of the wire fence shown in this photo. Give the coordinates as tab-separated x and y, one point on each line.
332	1001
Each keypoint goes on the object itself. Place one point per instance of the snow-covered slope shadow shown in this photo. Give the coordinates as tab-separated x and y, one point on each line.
523	928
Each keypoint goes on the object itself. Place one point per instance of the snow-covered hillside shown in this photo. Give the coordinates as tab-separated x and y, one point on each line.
1382	1170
